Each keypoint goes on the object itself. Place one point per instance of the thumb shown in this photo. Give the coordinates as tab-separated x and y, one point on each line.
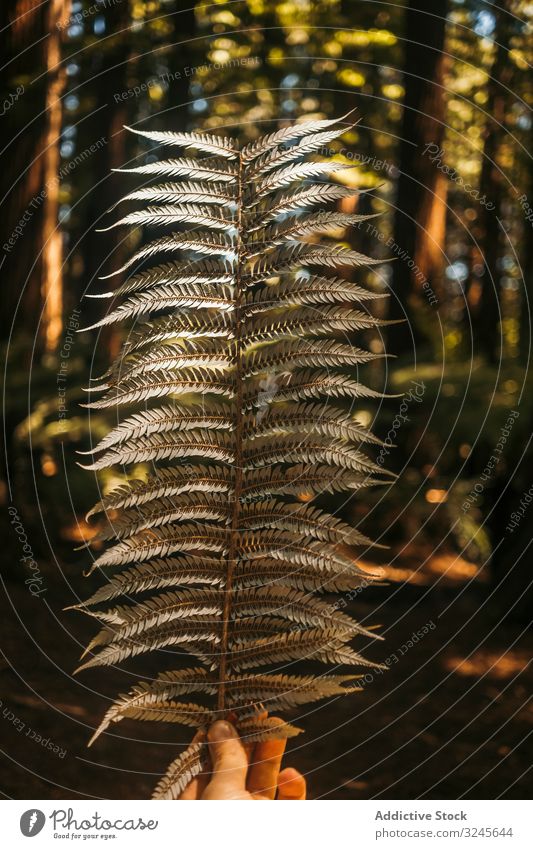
229	761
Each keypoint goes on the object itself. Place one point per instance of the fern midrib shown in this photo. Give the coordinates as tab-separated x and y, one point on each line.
239	432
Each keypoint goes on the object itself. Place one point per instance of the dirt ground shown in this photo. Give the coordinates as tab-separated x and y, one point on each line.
451	718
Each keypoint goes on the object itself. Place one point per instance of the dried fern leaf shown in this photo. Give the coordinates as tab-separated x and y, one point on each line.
159	574
310	322
288	134
218	547
267	571
321	645
285	203
186	507
261	730
191	763
279	179
164	419
312	290
191	192
302	229
165	482
158	384
187	271
165	687
302	418
170	296
176	327
205	142
287	691
300	479
212	170
308	144
161	542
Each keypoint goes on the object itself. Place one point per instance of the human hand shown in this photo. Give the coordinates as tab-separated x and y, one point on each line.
244	772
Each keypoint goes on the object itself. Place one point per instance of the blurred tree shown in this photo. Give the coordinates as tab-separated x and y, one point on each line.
104	77
30	186
526	301
491	187
421	197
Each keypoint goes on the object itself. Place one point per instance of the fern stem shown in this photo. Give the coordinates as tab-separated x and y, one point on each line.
238	462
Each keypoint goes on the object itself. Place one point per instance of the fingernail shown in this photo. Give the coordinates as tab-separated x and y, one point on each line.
220	731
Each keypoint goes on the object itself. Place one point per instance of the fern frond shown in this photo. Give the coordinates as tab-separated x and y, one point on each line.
304	520
302	480
162	216
286	203
159	446
170	296
165	688
194	169
189	637
326	646
204	142
282	692
220	549
184	326
186	507
267	450
163	420
157	384
165	482
276	158
290	257
307	418
285	176
305	226
167	357
267	571
286	355
197	271
161	542
312	383
285	136
192	762
302	290
159	574
191	192
268	728
307	322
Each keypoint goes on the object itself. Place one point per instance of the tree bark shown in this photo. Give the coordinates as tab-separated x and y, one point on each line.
52	271
29	187
487	314
29	190
106	77
421	199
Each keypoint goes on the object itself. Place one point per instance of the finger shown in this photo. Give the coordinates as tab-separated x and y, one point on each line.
249	748
232	718
291	785
229	762
196	787
265	767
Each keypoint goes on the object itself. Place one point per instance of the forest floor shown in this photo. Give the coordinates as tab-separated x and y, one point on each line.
451	717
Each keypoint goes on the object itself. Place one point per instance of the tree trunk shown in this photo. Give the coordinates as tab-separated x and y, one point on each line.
29	208
52	272
183	55
421	199
526	306
100	253
487	315
29	187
